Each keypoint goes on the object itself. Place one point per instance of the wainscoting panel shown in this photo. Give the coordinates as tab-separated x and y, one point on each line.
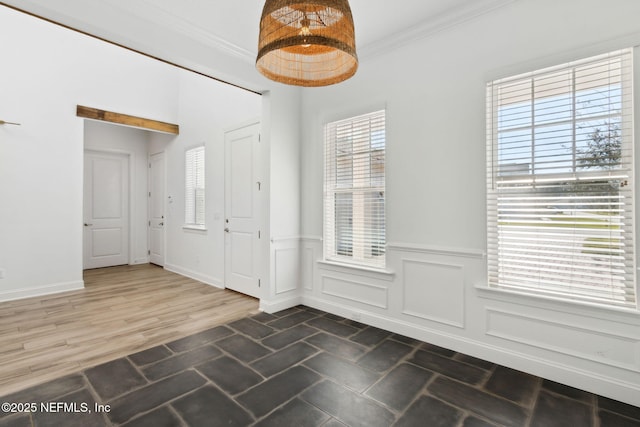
357	291
433	291
566	338
307	268
286	270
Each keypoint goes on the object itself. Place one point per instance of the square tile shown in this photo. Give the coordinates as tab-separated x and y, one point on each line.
288	336
342	371
210	407
513	385
619	407
496	409
252	328
338	346
551	411
272	393
151	355
370	336
333	327
153	395
295	413
448	367
114	378
162	417
400	386
230	375
611	419
293	319
264	317
427	411
180	362
283	359
385	356
243	348
347	406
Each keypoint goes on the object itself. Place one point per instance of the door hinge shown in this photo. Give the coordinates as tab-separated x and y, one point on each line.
259	185
149	165
259	137
258	282
148	252
149	193
149	223
258	234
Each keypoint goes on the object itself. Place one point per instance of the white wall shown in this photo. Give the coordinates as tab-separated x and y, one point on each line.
206	110
434	93
46	72
111	138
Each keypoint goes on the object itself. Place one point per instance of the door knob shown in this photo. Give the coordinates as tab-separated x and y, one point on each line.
226	230
162	223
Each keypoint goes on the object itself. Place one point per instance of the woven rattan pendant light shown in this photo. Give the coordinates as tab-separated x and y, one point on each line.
307	43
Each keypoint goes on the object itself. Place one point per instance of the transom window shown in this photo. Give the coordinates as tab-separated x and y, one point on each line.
354	196
560	181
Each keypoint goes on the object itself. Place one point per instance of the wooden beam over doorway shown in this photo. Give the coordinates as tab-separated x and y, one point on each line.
127	120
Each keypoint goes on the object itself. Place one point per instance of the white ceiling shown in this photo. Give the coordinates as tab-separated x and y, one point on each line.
230	27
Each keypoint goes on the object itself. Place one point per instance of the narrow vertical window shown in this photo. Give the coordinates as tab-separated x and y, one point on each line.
194	187
560	181
354	227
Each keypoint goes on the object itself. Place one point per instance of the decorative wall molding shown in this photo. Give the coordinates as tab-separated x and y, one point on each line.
54	288
436	250
591	344
286	263
360	292
437	294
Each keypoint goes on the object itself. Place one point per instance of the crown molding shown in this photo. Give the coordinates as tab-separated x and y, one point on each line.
151	12
436	24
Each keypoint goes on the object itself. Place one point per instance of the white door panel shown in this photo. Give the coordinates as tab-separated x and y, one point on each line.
242	210
106	210
156	209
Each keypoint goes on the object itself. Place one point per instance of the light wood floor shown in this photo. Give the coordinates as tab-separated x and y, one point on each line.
122	310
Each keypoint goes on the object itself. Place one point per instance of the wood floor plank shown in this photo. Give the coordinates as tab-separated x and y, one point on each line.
122	310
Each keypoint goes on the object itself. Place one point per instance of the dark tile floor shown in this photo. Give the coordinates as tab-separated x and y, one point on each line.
304	367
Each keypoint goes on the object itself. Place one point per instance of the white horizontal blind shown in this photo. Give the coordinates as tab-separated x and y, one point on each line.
194	187
560	181
354	229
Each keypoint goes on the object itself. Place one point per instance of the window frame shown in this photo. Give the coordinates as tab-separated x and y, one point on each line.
195	215
520	175
362	179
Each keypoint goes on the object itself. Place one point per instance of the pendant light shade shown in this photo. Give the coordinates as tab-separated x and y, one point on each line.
307	43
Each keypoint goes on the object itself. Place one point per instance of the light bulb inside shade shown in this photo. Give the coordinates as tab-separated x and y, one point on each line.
305	30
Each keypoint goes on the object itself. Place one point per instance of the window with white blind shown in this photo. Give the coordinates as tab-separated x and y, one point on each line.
354	227
194	187
560	181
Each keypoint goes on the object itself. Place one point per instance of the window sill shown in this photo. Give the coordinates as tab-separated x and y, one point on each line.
188	227
362	270
580	308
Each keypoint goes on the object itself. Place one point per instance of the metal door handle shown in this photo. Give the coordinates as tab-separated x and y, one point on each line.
162	223
87	225
226	230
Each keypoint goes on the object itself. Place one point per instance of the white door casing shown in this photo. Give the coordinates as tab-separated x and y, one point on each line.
242	210
106	209
156	208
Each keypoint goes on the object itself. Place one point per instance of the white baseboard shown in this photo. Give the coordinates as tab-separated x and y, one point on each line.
274	306
54	288
208	280
596	383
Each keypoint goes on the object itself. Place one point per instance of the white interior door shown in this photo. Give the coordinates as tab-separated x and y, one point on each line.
156	209
242	210
106	209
